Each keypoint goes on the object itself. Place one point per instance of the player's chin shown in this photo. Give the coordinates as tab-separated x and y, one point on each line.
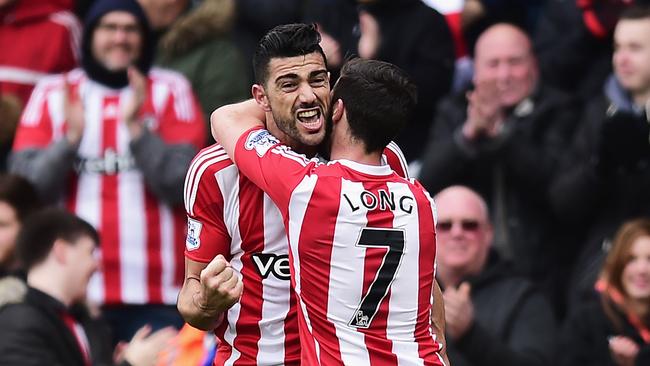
312	138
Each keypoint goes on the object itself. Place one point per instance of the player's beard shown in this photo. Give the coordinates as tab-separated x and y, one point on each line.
325	148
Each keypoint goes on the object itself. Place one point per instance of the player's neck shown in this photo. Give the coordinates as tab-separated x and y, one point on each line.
356	153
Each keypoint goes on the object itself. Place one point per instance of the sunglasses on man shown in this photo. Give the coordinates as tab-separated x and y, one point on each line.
466	225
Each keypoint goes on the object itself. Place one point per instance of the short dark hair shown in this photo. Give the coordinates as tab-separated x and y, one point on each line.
287	40
379	99
43	228
20	194
635	12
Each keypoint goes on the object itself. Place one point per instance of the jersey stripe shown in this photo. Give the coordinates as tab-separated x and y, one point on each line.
378	345
251	298
109	226
153	245
427	346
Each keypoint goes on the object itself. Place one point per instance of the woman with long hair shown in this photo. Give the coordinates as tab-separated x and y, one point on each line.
616	329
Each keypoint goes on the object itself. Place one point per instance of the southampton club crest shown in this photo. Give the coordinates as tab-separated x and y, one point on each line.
260	140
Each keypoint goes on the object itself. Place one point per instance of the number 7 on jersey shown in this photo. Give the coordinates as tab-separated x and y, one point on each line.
393	240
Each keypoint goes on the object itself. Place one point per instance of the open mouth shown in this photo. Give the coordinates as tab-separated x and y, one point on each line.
310	119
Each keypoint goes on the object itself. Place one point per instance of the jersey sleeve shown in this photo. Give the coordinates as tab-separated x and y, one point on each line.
180	117
394	157
207	233
36	128
272	166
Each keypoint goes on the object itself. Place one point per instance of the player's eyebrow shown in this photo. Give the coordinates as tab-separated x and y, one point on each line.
290	76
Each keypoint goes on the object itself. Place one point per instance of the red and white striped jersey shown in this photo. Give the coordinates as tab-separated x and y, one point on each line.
141	236
229	215
362	254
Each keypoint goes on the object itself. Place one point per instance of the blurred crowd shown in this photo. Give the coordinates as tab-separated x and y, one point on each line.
532	131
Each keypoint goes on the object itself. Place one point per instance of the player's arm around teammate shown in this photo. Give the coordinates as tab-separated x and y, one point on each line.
208	291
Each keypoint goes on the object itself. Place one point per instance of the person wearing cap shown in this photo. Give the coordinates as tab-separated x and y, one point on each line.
112	141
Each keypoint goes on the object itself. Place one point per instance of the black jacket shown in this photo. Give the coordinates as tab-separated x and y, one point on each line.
605	179
570	57
33	333
584	338
524	156
514	324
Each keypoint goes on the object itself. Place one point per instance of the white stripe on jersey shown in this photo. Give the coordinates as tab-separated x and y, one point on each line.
20	75
191	177
159	94
344	277
57	113
168	254
272	337
34	108
402	314
89	185
400	155
230	192
180	88
197	169
132	223
297	208
290	154
133	236
68	20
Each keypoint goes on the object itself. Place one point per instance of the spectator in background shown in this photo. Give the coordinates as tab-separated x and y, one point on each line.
18	199
613	329
28	55
573	41
113	141
416	38
47	327
196	41
605	179
338	25
493	317
504	139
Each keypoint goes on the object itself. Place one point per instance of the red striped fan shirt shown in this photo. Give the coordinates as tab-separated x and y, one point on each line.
141	236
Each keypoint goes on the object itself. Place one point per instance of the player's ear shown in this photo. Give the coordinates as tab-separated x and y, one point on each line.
60	251
259	94
337	110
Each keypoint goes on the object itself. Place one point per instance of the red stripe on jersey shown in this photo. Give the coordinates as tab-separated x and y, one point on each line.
427	347
154	261
315	274
251	226
291	336
110	225
71	198
223	349
30	135
377	342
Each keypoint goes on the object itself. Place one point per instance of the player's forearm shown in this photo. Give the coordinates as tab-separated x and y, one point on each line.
438	320
229	122
194	310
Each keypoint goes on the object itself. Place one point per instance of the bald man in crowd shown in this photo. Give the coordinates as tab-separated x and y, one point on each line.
503	138
493	317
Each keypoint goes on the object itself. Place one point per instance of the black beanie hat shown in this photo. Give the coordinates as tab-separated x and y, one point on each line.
94	69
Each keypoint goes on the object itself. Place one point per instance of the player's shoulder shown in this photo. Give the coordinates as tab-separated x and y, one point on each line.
394	157
209	160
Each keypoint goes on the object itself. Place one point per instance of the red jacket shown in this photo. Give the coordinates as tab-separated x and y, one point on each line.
37	37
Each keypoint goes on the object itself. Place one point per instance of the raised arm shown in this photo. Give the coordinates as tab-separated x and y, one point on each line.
231	121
